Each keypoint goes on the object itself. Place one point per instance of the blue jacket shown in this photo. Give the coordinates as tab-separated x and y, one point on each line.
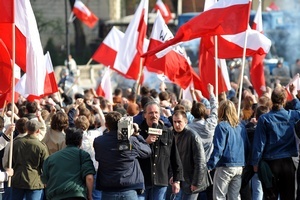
230	146
119	170
274	136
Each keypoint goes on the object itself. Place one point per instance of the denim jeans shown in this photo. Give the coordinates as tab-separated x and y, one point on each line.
19	194
96	193
257	191
126	195
227	181
154	193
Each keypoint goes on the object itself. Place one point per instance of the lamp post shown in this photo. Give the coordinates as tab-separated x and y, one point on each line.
67	35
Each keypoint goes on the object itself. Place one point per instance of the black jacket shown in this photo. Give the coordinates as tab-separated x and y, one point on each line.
164	154
192	156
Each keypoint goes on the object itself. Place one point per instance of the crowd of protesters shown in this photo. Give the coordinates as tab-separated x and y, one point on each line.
67	148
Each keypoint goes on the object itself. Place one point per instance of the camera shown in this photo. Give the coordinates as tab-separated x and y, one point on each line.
125	130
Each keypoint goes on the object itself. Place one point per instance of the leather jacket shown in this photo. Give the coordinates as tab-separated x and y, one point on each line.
164	155
192	156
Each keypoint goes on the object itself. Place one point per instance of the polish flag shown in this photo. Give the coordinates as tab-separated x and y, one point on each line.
108	49
207	71
231	46
296	82
5	69
84	14
164	10
257	73
104	89
217	20
174	64
6	26
128	59
50	83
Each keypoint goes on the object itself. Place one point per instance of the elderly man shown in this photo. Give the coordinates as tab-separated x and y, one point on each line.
164	155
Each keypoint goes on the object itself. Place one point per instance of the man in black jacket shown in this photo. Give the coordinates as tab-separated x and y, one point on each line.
164	155
192	156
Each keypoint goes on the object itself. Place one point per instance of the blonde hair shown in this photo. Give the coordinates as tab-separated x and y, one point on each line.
227	112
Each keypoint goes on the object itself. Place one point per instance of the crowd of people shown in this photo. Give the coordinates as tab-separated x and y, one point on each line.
178	149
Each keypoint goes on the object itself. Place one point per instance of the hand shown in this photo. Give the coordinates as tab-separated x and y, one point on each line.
193	188
175	187
10	129
10	172
255	168
151	138
210	88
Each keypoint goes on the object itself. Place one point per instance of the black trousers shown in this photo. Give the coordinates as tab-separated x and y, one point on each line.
284	179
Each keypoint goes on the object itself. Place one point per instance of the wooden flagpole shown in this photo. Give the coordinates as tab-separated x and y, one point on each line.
139	79
12	91
216	68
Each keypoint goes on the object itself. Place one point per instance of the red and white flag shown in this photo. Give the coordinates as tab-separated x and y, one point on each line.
5	69
108	49
231	46
84	14
128	59
257	73
104	89
174	64
164	10
49	82
207	71
217	20
296	82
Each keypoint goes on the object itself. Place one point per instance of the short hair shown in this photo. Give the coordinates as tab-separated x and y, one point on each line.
278	97
111	120
132	109
187	104
33	126
179	107
31	107
59	121
163	96
180	112
261	110
82	122
73	136
118	91
144	91
21	125
150	103
199	110
145	100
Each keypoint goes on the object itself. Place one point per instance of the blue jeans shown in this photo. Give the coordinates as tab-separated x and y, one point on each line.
154	193
126	195
19	194
257	191
96	193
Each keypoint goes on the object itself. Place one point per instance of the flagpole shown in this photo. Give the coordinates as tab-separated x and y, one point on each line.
12	92
139	78
67	35
216	67
89	62
242	73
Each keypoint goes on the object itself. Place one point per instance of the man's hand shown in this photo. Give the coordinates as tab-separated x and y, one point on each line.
255	168
151	138
176	187
193	188
210	88
10	172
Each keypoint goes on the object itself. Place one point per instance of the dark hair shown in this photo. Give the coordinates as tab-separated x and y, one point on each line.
261	110
180	112
59	121
21	125
1	122
111	120
199	110
144	91
73	136
164	96
144	101
31	107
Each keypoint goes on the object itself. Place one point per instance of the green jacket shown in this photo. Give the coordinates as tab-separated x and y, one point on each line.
29	155
64	173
